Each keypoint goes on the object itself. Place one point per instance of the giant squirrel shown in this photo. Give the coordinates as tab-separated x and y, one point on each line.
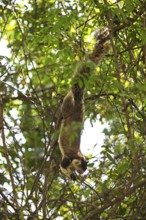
72	111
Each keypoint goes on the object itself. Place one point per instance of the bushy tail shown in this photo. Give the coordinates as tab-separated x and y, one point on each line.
101	47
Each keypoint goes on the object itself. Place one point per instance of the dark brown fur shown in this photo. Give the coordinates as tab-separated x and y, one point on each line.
71	128
73	110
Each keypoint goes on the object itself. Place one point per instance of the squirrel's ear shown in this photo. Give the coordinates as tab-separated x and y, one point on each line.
84	164
65	162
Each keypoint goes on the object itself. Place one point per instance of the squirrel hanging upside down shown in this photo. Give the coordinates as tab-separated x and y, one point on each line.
72	111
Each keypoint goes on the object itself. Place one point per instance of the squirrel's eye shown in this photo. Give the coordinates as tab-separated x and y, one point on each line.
80	165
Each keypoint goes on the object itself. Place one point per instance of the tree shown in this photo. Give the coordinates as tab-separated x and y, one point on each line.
47	41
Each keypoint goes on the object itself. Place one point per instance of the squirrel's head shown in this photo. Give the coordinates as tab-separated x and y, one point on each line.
80	165
69	166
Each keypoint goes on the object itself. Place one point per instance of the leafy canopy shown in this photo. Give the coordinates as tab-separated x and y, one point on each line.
47	41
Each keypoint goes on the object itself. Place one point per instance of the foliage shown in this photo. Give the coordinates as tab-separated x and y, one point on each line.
46	42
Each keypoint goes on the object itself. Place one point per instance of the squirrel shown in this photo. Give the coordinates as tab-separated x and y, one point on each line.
72	111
